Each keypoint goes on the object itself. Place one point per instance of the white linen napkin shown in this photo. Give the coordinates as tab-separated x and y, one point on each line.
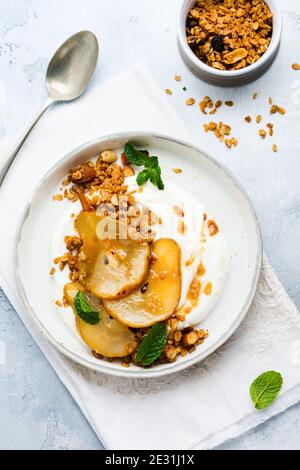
197	408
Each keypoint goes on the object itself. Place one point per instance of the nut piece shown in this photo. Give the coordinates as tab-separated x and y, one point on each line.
128	171
231	142
235	56
229	103
171	353
248	119
262	133
124	159
270	126
190	338
205	103
258	118
273	109
168	91
177	336
108	156
83	174
114	200
190	101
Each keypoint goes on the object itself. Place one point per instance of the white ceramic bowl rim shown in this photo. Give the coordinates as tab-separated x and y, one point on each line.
172	367
276	34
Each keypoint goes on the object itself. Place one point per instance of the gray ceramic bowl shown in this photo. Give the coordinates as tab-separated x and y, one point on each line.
223	77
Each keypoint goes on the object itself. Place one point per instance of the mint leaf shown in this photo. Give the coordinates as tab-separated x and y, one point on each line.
152	170
155	178
265	388
152	345
142	177
136	157
84	310
152	162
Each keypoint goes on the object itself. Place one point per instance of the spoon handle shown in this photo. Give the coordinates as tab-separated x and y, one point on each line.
6	160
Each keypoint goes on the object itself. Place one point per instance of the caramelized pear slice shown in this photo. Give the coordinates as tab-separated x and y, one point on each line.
111	267
108	337
158	297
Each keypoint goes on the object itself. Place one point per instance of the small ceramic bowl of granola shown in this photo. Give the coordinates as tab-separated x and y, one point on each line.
229	42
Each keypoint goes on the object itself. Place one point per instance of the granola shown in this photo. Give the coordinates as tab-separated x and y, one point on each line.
221	130
229	34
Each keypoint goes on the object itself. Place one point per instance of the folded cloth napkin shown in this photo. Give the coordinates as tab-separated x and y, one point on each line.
196	408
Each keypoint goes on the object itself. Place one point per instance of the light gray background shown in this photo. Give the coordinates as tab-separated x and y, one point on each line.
36	411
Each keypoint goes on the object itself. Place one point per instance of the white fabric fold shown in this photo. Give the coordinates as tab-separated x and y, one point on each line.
194	409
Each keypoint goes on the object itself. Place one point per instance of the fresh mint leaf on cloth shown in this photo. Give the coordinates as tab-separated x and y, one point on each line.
152	170
84	310
152	345
265	388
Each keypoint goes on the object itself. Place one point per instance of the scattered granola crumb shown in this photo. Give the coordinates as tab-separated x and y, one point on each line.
275	148
57	197
254	96
231	142
124	364
190	101
262	133
218	104
221	130
52	271
58	303
229	103
270	101
206	103
248	119
168	91
210	126
270	127
177	170
177	78
277	109
258	118
296	66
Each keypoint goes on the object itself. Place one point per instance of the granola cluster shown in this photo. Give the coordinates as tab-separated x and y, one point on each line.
229	34
179	343
222	132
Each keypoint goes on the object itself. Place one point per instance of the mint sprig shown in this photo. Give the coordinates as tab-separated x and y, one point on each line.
152	345
84	310
152	170
265	388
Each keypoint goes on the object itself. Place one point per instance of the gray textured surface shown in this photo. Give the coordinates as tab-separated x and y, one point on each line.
35	409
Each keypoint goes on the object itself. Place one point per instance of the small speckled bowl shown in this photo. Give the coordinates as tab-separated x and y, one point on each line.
224	77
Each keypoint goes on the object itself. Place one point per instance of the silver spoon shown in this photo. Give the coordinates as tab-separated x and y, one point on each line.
68	74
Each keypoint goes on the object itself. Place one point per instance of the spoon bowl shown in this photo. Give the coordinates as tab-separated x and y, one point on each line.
72	66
